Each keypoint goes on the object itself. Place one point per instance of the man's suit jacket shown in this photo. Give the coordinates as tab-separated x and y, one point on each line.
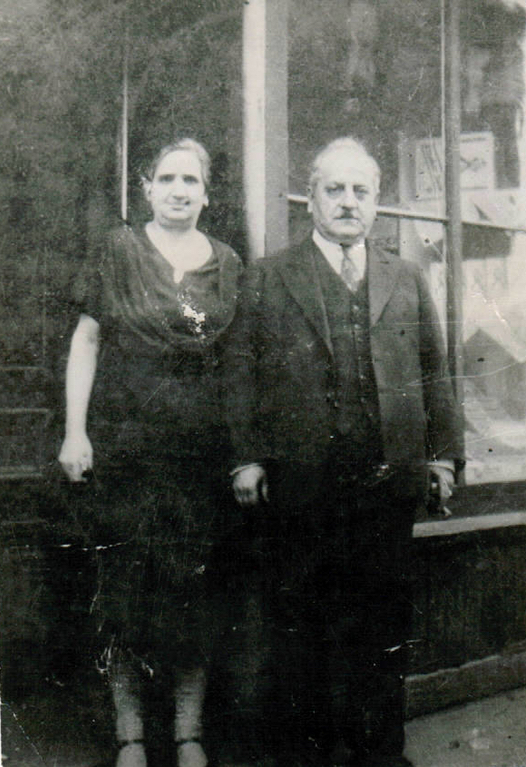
281	374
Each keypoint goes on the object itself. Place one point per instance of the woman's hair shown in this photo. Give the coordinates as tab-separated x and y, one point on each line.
184	145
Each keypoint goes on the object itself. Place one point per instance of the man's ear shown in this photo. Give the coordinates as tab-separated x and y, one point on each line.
309	199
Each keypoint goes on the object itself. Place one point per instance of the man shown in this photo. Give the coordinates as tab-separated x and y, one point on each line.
340	409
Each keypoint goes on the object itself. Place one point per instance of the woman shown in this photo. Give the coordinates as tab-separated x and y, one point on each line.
159	303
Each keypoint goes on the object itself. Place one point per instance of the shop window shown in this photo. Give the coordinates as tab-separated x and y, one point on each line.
494	277
374	69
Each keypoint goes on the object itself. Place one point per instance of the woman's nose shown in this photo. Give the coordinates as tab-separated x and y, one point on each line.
178	188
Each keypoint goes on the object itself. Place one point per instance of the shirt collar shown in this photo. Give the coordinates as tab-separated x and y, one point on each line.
333	253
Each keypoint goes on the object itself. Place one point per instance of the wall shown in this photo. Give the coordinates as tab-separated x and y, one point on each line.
469	592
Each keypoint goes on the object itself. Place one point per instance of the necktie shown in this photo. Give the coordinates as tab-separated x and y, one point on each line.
348	270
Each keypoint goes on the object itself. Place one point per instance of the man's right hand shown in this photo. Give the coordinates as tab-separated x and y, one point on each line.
76	457
250	485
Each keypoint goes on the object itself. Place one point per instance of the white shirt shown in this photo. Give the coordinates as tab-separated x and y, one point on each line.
333	252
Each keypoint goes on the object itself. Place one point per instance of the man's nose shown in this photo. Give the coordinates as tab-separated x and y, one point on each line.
348	198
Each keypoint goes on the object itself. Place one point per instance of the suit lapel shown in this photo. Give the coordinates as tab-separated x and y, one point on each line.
382	274
300	276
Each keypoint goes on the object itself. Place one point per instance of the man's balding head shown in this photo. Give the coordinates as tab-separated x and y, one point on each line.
349	145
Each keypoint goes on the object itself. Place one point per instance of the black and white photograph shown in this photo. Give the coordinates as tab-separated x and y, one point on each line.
263	383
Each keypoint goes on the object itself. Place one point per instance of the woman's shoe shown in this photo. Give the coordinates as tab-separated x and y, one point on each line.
190	753
131	753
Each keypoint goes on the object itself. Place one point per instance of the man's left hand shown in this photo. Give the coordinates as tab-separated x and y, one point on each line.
446	482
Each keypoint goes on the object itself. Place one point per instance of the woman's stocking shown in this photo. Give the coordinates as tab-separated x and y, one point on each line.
125	685
189	700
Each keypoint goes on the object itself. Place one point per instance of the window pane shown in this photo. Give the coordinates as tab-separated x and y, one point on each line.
375	70
494	303
185	63
372	70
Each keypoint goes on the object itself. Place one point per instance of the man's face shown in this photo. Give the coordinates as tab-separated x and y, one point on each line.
344	196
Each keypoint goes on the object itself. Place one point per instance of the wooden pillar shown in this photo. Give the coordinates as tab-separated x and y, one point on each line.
123	144
452	125
265	130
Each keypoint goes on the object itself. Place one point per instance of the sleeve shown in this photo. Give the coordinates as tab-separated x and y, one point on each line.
444	424
240	378
87	290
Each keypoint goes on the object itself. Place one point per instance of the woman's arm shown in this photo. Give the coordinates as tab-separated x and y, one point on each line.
76	455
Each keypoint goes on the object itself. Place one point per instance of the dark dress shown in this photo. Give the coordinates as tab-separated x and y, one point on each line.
159	493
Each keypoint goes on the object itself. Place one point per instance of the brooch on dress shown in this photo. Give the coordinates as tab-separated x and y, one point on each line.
198	319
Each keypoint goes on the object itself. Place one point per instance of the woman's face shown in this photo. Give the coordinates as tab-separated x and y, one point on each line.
177	191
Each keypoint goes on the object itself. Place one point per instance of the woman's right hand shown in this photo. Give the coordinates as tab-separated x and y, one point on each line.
76	456
250	485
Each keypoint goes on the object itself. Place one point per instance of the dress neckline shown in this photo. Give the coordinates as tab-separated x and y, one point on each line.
176	274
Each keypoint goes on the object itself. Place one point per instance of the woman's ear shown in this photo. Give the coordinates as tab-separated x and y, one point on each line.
146	187
205	201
